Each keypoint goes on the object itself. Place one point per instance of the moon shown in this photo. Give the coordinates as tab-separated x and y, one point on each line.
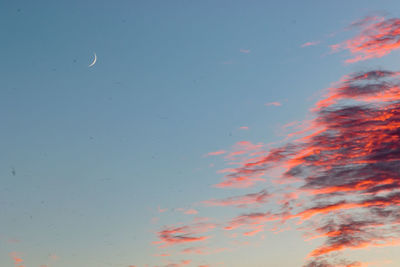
94	61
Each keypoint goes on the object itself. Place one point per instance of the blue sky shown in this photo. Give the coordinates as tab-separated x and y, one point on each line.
90	154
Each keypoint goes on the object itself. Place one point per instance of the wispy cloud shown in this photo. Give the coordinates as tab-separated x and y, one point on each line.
240	201
216	153
202	250
312	43
172	235
188	211
180	264
339	175
245	51
378	37
18	261
277	104
348	164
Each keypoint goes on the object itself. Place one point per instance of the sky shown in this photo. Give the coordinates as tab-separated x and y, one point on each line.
206	134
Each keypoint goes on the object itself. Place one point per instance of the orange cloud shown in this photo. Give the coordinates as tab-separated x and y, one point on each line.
184	234
216	153
378	37
277	104
240	201
313	43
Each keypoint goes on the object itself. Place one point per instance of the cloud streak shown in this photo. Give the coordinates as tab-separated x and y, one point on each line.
347	165
377	37
339	176
173	235
240	201
312	43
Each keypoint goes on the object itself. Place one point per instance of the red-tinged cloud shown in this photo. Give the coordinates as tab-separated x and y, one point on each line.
241	201
18	261
378	37
244	181
184	234
202	250
163	255
245	51
191	211
160	210
337	263
216	153
340	174
244	128
188	211
180	264
251	220
313	43
238	178
347	166
277	104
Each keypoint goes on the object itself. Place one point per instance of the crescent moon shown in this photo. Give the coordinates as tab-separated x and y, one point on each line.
94	61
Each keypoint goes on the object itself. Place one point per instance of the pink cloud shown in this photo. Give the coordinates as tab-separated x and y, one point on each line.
188	211
273	104
216	153
240	201
184	234
160	210
245	51
202	250
191	211
377	37
310	43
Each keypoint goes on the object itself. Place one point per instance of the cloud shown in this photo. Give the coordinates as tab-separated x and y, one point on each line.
377	37
180	264
245	51
216	153
241	179
188	211
173	235
240	201
160	210
339	175
163	255
202	250
17	259
348	166
313	43
277	104
244	128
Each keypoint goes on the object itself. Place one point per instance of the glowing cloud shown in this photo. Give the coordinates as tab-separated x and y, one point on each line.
184	234
216	153
240	201
378	37
348	165
313	43
339	176
277	104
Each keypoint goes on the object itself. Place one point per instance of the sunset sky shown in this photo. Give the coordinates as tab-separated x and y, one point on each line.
206	133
